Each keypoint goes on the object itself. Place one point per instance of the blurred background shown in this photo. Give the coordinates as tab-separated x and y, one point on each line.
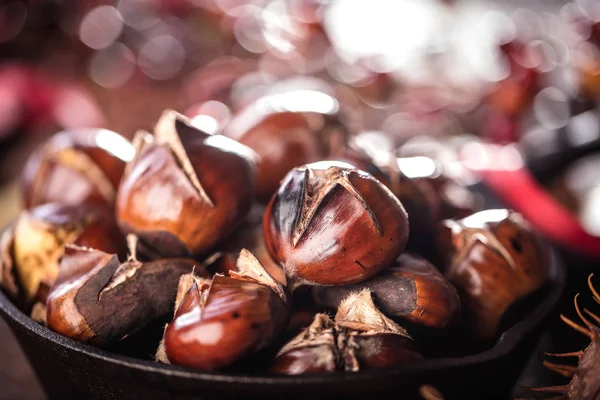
477	85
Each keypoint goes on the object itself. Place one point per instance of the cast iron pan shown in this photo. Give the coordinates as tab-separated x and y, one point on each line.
70	370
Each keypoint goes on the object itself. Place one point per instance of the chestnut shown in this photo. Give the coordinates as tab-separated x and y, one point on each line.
185	189
34	244
412	289
331	224
98	300
360	338
493	259
288	129
75	167
229	319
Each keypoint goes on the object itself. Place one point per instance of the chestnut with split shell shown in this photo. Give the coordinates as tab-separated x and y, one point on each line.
331	224
230	318
99	300
493	259
185	189
75	167
34	244
360	338
412	289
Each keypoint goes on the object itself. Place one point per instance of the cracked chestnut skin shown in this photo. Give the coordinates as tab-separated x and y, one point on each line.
37	240
224	321
76	167
412	289
99	300
493	259
331	224
360	338
186	189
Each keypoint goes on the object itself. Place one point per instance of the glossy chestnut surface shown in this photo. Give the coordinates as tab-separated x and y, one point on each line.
494	259
331	224
98	300
76	167
288	129
37	239
412	289
360	338
186	189
221	323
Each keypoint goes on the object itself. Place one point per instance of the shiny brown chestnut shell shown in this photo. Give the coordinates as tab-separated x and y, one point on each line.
98	300
231	318
331	224
76	167
185	189
360	338
412	289
493	259
288	129
35	242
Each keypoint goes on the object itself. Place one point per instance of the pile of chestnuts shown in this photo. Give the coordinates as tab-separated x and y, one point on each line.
273	246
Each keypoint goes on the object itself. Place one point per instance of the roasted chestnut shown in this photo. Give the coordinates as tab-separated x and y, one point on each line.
331	224
288	129
34	244
360	338
494	259
97	299
75	167
229	319
185	189
412	289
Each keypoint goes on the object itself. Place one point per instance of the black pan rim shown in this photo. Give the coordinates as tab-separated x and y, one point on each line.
506	343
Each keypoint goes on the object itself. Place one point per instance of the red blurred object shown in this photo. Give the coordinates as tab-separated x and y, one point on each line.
519	190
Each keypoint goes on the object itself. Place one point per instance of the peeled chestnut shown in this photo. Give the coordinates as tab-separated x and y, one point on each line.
360	338
97	299
185	189
75	167
493	259
288	129
412	289
331	224
222	322
34	244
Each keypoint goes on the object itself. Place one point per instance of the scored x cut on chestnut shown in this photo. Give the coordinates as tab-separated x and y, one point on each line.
185	189
75	167
332	224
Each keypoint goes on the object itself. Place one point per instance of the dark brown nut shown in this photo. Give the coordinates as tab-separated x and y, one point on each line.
221	323
185	189
98	300
412	289
288	129
493	259
331	224
75	167
34	244
360	338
